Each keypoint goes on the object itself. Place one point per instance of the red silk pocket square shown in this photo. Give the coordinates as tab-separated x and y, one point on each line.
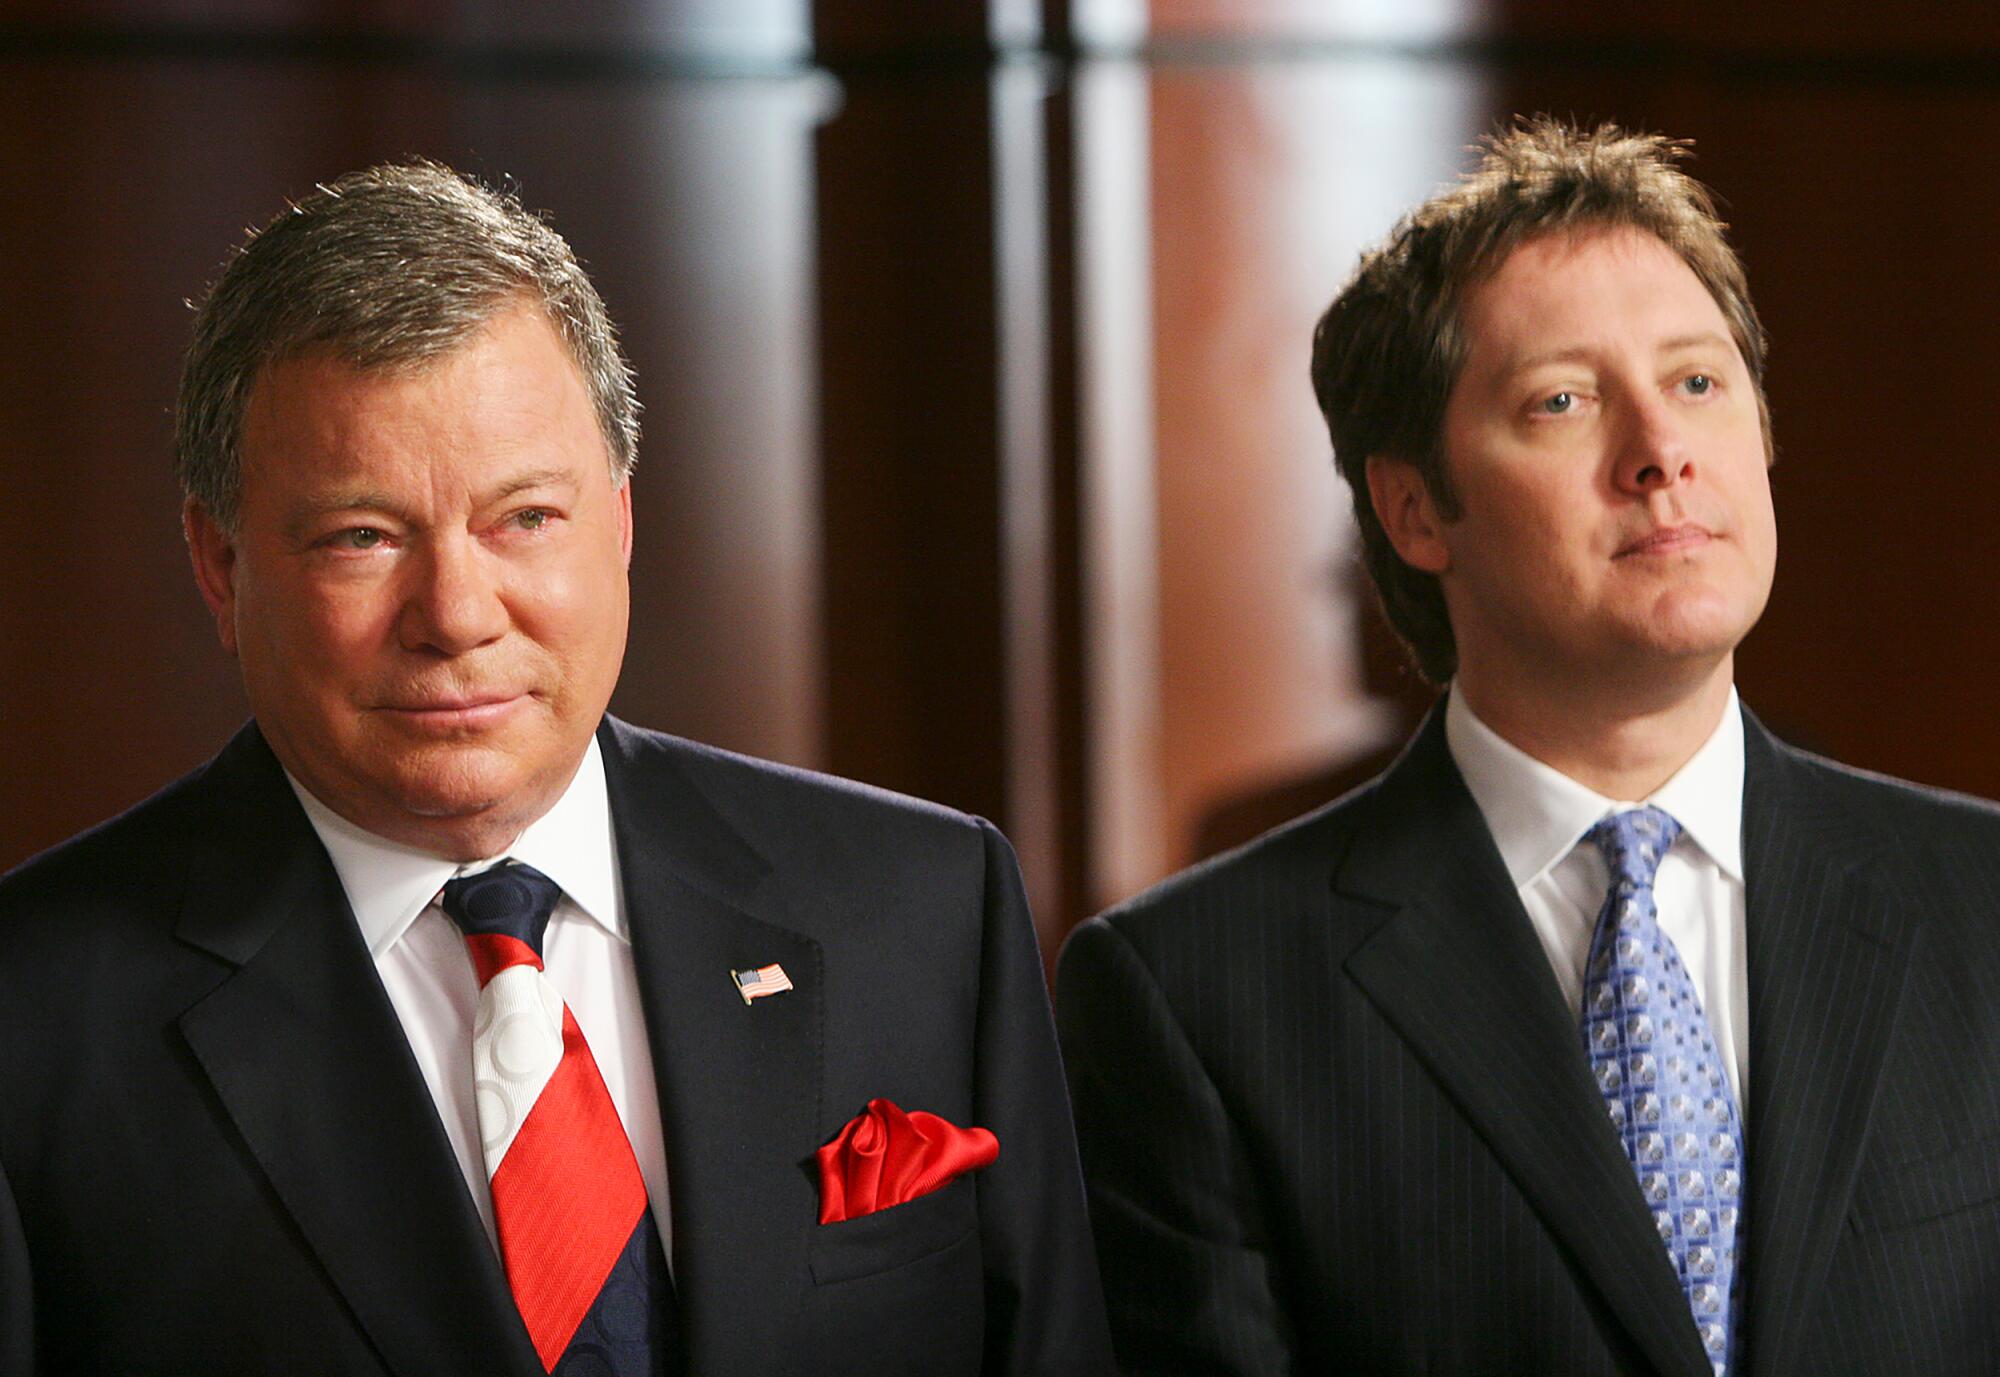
885	1157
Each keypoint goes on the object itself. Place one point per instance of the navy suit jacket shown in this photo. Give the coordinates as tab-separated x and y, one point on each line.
217	1153
1336	1116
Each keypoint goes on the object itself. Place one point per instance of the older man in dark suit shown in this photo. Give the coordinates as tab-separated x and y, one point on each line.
1604	1033
442	1024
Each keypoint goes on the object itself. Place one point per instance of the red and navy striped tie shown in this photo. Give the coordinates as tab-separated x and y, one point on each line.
582	1253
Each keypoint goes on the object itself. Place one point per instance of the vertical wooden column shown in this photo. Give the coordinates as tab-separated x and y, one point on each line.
1070	890
700	237
948	348
1034	408
912	527
1118	478
1221	199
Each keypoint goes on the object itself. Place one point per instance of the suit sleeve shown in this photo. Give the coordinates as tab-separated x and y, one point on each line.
17	1301
1180	1231
1044	1306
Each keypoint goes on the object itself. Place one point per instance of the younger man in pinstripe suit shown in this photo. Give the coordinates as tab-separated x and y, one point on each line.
1604	1033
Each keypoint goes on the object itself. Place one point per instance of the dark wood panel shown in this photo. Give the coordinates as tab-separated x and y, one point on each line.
915	686
1861	31
821	541
131	191
1961	36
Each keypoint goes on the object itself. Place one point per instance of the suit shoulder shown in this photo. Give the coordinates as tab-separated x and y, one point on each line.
130	854
1286	867
847	863
1916	814
762	795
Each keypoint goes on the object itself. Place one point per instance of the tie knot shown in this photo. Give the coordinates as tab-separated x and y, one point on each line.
511	899
1633	843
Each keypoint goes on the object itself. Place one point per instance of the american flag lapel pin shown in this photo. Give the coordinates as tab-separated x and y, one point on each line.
765	980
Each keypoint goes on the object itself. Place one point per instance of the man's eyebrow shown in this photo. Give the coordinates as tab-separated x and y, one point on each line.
536	478
355	500
1575	353
1579	353
1700	339
376	500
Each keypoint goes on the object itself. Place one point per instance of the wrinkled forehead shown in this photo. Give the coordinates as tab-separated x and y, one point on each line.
509	388
402	334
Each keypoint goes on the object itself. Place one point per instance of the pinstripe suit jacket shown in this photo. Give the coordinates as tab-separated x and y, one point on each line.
1335	1116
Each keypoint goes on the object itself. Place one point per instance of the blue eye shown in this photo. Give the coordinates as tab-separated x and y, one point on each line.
1699	384
1559	403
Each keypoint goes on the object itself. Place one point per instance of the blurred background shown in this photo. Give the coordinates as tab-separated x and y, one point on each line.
980	460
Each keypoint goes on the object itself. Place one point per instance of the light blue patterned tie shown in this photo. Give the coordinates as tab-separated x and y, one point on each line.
1655	1060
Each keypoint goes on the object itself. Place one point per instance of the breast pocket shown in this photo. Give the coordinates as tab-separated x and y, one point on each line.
1907	1193
896	1236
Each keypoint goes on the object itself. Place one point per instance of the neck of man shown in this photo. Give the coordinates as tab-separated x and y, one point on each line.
461	835
1621	739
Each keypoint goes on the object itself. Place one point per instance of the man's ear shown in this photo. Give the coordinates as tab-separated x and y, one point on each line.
623	497
1408	515
212	551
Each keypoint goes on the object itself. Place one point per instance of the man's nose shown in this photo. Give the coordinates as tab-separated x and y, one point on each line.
1654	451
454	603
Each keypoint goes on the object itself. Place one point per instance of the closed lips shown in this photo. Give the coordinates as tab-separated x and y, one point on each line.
1666	538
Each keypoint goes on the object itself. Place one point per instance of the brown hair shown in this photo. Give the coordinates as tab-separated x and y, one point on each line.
1387	352
384	269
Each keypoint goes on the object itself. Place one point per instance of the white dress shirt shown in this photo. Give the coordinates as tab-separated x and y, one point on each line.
425	966
1539	817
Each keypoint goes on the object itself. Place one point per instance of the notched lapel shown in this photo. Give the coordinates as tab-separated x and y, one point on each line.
307	1056
739	1083
1456	969
1829	955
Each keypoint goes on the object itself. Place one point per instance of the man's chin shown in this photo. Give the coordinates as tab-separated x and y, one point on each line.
470	806
458	825
470	790
1698	622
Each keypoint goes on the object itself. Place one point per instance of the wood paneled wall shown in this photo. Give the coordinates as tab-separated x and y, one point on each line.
980	460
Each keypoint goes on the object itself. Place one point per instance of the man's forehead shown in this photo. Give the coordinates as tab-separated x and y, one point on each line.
1546	299
505	408
1551	247
407	342
520	338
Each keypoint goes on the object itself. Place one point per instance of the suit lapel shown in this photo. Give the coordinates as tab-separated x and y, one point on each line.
739	1083
1457	970
309	1061
1829	951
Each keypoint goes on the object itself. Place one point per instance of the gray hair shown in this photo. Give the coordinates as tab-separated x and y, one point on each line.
384	270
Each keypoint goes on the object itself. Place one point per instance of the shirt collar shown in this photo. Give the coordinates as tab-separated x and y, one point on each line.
389	884
1537	814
